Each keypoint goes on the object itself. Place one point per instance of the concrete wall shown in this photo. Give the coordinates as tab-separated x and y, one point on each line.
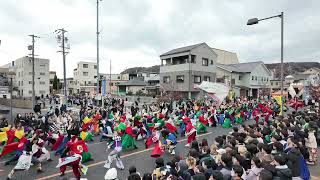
173	85
17	103
226	57
23	78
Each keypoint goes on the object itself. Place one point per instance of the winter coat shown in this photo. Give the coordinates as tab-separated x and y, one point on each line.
293	157
283	173
253	173
226	173
311	141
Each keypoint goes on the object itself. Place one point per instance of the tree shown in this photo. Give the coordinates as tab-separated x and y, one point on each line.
56	83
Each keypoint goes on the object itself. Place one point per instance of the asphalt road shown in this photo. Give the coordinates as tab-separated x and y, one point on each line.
139	158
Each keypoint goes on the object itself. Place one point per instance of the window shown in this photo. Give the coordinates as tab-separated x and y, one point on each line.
118	77
110	84
211	62
233	81
42	92
21	83
193	59
252	78
85	73
206	78
277	83
42	65
30	73
166	79
42	82
240	77
256	78
267	79
205	62
180	78
42	74
85	65
95	66
30	82
30	92
271	83
197	79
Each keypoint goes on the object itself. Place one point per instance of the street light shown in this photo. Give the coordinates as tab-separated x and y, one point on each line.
256	21
11	75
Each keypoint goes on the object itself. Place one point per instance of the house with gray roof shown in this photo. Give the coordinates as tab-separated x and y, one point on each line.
246	79
182	68
133	86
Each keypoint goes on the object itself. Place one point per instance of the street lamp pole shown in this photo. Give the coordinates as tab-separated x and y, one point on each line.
256	21
98	76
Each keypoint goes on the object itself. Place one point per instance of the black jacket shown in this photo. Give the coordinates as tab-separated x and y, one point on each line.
283	173
293	157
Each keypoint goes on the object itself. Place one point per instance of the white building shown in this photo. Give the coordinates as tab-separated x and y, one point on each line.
85	77
246	79
23	78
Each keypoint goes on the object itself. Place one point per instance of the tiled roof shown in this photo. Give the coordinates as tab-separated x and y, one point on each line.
133	82
181	49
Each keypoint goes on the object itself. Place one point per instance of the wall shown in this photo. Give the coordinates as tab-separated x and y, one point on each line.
23	70
17	103
134	89
175	86
260	71
204	51
226	57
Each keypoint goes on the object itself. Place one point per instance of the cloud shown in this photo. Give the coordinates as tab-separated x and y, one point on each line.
134	33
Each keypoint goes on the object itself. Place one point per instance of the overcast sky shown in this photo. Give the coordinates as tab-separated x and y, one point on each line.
136	32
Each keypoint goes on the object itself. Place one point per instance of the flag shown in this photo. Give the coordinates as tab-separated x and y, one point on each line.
3	136
86	120
7	149
279	101
79	147
57	143
19	133
85	135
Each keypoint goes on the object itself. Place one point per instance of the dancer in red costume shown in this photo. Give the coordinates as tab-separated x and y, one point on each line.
191	133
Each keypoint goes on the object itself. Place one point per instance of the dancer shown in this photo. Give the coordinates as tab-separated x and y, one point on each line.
170	141
191	133
115	153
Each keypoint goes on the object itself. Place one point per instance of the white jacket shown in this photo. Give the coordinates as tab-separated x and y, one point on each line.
311	141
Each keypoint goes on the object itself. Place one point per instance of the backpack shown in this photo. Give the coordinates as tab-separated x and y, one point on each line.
304	170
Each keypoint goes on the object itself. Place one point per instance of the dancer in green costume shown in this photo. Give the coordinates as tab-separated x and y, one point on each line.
227	123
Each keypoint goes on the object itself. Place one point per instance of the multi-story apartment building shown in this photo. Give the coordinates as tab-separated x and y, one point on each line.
51	77
85	77
23	78
184	67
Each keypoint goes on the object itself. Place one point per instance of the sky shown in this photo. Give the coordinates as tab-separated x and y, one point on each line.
135	32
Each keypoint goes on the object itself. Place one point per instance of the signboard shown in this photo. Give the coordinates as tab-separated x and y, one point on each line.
103	87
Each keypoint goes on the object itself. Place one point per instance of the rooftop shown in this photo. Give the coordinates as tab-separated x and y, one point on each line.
133	82
241	67
181	49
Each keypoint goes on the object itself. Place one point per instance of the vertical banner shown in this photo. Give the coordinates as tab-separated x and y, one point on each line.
279	101
103	87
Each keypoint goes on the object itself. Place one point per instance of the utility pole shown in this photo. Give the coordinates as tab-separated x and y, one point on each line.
63	40
33	73
98	76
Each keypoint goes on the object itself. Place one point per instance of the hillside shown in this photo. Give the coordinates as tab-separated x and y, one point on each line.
155	69
291	67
